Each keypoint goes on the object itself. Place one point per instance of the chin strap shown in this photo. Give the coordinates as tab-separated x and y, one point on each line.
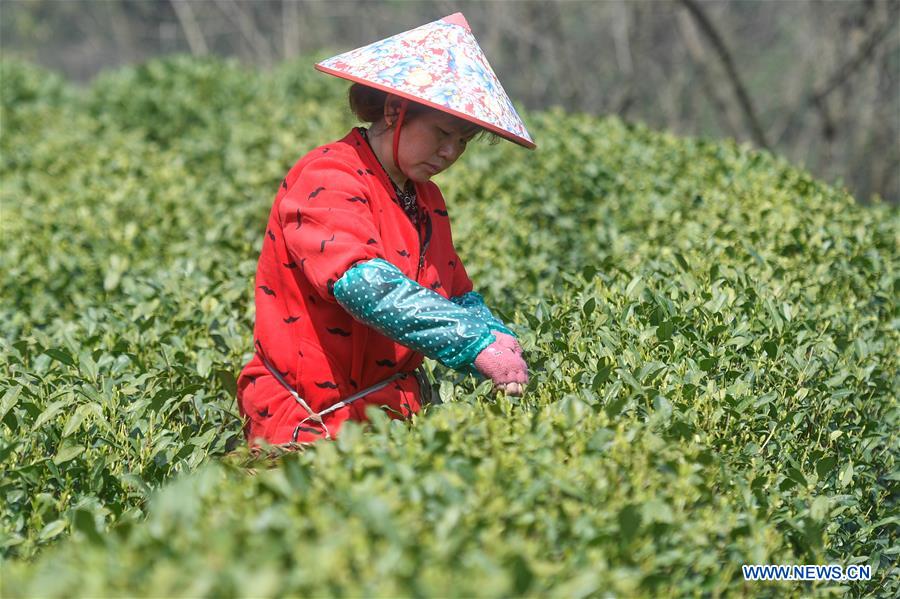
403	106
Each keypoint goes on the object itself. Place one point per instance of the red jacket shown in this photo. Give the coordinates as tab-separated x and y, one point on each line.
337	207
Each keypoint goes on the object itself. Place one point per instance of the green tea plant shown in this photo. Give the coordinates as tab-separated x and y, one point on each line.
712	335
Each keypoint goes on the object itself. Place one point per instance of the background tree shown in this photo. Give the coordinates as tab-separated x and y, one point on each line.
816	81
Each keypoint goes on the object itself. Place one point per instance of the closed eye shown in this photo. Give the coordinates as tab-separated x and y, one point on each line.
463	141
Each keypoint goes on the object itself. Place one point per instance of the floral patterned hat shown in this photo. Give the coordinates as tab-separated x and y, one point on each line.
439	65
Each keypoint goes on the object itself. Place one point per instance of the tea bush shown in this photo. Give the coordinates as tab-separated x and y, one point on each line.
712	336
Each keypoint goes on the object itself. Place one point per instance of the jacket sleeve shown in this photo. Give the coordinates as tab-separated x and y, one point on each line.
461	283
379	295
327	223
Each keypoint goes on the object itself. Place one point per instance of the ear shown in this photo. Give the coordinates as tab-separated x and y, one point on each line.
391	109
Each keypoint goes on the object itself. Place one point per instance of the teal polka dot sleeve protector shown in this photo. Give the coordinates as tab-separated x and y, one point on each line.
473	302
376	293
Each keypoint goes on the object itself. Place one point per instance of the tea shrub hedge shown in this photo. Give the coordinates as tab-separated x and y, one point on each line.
712	336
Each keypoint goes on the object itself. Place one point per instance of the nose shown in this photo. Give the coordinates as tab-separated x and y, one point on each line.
450	151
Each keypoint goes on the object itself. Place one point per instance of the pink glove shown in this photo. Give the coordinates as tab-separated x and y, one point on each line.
509	342
502	362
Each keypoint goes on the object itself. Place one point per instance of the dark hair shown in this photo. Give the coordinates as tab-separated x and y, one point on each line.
367	103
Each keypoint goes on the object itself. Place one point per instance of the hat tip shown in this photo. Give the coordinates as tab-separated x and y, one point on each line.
457	18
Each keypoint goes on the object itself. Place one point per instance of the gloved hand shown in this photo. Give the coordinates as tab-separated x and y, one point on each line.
509	341
502	362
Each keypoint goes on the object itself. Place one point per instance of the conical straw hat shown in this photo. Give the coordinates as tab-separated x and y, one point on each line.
439	65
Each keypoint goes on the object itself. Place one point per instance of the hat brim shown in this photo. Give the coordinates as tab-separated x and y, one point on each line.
461	115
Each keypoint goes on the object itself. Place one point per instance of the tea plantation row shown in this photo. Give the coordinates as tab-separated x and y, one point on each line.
712	336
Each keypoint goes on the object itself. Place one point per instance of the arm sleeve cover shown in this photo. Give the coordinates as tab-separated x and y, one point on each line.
475	304
376	293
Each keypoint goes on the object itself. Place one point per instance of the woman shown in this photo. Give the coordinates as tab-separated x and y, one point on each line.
358	279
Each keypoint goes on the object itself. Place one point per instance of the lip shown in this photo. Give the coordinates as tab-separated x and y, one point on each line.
434	169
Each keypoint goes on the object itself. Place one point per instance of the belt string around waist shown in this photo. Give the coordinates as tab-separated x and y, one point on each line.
317	416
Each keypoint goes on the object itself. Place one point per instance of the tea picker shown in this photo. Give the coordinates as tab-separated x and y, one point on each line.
358	279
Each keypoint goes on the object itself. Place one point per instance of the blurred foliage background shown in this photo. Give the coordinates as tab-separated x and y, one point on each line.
815	81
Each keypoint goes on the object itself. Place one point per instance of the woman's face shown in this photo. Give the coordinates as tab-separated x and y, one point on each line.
432	141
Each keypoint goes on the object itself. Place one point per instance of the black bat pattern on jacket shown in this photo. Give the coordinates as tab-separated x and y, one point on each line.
403	253
291	319
298	220
324	241
284	183
371	241
441	212
428	231
290	264
326	385
267	291
264	413
271	234
358	199
315	193
338	331
387	363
